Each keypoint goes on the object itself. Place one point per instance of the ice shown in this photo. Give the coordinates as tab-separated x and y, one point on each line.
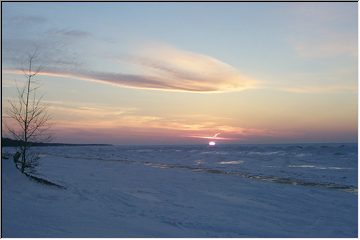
307	190
231	162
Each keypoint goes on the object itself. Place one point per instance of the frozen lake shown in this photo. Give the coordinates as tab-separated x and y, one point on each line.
303	190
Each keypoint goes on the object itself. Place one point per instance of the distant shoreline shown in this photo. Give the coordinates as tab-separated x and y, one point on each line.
7	142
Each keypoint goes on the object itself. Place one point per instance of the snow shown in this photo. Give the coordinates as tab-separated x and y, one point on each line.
185	191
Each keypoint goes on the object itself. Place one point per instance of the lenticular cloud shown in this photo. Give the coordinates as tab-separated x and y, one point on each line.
169	69
183	70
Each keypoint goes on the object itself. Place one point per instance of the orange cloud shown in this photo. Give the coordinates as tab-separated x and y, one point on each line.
165	68
233	133
97	118
186	70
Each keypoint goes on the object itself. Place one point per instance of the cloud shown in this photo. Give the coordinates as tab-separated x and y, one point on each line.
231	133
166	68
101	118
57	47
187	70
68	33
52	52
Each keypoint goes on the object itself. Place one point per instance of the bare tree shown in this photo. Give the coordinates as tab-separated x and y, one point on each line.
30	117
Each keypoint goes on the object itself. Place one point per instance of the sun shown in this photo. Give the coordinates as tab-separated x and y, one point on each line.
212	143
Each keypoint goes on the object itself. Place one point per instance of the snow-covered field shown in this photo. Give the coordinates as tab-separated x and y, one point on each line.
185	191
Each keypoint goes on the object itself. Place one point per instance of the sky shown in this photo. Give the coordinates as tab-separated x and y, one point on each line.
188	73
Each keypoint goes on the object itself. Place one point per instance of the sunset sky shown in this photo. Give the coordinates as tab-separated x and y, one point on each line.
179	73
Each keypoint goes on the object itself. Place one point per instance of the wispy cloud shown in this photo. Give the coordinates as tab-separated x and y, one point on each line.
185	70
231	133
166	68
101	118
214	137
60	47
68	33
162	67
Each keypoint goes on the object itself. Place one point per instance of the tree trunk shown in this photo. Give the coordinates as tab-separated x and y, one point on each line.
26	121
23	160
